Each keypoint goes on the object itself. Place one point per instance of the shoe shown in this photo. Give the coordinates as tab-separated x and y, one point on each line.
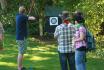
23	68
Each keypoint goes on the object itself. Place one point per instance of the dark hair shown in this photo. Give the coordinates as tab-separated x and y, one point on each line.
78	17
64	15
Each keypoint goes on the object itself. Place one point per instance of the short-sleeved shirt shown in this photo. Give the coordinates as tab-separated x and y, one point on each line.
65	34
21	26
81	43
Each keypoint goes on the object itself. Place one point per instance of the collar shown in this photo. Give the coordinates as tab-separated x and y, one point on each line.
66	21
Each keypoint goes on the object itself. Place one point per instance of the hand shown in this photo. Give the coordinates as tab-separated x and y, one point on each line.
1	37
31	18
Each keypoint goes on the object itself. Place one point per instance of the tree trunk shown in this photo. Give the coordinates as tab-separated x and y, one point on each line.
3	4
41	27
41	21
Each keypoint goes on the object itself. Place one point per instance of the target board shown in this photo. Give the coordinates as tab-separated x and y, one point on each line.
53	21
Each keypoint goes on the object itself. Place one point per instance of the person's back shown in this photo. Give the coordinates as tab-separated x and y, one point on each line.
64	33
65	37
21	26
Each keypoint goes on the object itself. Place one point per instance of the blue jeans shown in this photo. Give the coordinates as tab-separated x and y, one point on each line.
67	57
80	60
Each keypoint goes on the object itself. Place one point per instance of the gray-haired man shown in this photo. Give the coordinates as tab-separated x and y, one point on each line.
64	34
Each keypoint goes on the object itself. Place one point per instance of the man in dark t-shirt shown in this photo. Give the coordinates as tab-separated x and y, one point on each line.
21	34
21	26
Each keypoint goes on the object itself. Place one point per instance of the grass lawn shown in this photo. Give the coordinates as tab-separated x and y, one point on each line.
40	55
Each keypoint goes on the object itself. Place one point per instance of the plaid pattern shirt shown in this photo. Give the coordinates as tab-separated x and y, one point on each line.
80	43
64	34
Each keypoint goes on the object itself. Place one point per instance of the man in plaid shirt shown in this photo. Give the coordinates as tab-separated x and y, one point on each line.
64	33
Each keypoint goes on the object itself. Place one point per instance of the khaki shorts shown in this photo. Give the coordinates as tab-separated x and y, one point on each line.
22	46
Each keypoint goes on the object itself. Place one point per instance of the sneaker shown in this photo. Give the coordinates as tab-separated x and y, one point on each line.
23	68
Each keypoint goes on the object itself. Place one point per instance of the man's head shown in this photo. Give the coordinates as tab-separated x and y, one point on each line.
65	15
22	9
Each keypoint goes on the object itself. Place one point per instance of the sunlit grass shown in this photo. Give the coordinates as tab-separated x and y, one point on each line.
8	64
37	58
39	55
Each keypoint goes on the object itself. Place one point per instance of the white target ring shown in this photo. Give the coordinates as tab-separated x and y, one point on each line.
53	20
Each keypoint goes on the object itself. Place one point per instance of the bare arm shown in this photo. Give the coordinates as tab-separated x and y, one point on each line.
82	37
31	18
56	33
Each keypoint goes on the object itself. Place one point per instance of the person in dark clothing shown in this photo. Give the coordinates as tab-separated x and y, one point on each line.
21	34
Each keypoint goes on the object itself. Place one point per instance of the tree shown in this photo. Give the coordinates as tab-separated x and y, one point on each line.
39	7
3	4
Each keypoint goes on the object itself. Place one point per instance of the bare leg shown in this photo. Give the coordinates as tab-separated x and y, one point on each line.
19	61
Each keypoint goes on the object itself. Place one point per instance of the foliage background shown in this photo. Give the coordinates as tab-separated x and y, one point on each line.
92	9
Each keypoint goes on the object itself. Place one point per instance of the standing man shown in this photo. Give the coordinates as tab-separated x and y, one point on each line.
1	36
64	34
21	34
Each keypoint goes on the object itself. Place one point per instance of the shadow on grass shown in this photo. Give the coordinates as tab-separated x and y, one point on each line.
40	56
7	68
95	64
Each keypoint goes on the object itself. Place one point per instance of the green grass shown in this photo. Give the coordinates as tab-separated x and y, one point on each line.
40	55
